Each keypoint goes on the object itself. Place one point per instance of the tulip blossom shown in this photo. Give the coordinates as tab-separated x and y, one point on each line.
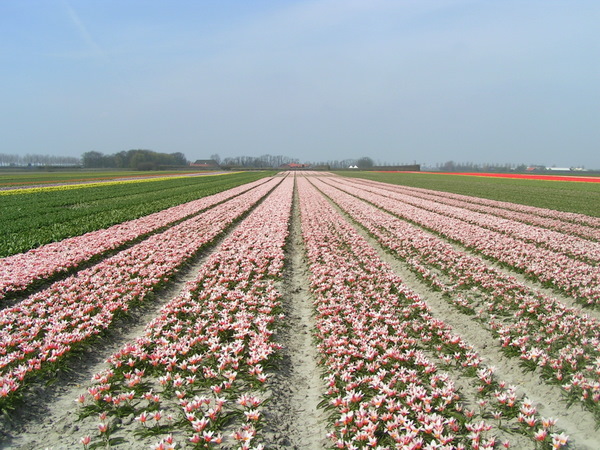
44	327
528	317
372	331
18	272
220	326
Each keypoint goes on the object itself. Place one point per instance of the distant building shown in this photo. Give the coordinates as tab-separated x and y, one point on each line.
535	168
554	169
205	164
294	166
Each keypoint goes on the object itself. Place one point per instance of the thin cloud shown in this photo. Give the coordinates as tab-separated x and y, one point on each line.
86	36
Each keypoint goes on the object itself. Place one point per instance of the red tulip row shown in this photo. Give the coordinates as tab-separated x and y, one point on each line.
540	330
43	328
18	272
575	278
198	370
374	333
568	223
560	242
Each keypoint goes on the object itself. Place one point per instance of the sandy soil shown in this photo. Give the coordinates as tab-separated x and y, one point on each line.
294	421
49	416
575	421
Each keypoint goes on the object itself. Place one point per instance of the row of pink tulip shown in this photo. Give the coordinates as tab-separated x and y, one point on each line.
533	210
373	332
47	325
575	278
549	219
201	363
562	243
18	272
562	341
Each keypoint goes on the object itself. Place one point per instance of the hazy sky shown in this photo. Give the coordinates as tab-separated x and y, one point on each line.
498	81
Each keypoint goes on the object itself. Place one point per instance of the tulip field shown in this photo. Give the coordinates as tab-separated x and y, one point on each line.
33	216
308	310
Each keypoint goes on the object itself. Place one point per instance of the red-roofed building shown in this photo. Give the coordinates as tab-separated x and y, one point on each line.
209	164
294	166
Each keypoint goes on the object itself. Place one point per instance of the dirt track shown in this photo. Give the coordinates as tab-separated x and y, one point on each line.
49	417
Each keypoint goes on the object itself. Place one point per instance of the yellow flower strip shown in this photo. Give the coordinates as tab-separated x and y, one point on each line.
34	190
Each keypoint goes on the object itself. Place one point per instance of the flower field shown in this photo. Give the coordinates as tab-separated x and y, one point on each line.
38	216
20	271
438	321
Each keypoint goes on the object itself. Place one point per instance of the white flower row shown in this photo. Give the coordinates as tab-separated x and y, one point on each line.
44	327
202	359
382	390
576	278
18	272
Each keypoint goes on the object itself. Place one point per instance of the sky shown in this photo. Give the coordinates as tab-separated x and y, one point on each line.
400	81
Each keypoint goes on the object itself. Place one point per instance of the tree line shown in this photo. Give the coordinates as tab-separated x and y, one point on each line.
264	161
364	162
275	161
37	160
137	159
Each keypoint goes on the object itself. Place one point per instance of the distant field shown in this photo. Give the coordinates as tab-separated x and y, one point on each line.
30	219
22	178
571	196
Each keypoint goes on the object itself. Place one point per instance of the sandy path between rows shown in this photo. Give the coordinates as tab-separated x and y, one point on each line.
577	422
49	416
294	420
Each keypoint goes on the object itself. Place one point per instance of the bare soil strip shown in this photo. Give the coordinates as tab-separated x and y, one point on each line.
591	311
578	423
293	420
49	415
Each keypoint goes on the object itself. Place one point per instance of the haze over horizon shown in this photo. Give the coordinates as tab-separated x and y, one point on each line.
395	80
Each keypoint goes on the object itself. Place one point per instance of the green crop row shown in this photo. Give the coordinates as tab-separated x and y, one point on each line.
12	178
570	196
29	220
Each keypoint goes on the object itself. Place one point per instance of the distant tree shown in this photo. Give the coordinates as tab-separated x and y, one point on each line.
8	160
138	159
215	157
121	160
521	168
92	159
448	166
364	163
178	159
38	160
264	161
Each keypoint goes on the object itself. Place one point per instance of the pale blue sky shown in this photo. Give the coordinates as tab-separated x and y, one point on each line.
504	81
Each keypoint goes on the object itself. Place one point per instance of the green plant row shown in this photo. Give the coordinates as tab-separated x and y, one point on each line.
12	178
29	220
571	196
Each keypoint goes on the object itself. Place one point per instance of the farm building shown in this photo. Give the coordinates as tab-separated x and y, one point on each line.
205	164
294	166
